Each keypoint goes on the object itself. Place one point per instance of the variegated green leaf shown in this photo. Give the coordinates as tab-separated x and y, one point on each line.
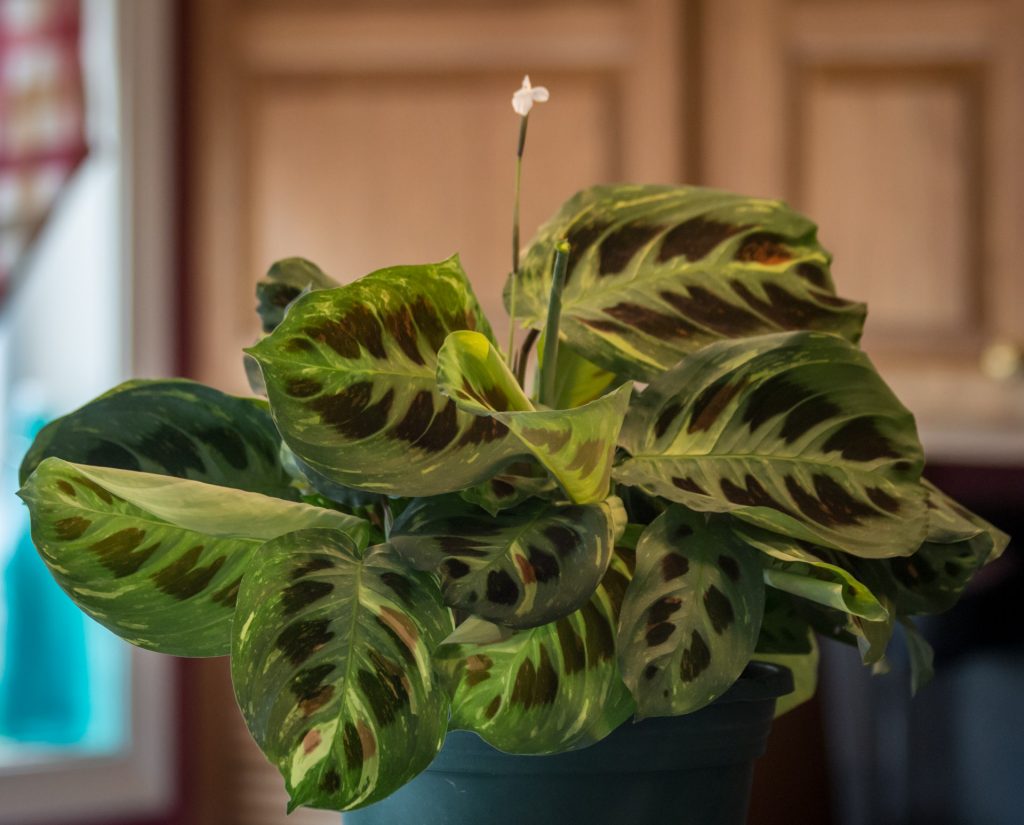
515	484
657	272
794	432
576	445
331	663
786	639
547	689
524	567
350	374
157	559
932	580
692	614
813	573
171	427
577	380
286	280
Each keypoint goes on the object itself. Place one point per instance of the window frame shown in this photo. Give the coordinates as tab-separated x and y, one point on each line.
139	780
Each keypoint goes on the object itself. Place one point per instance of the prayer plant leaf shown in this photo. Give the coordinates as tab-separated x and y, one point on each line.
657	272
331	663
524	567
514	485
577	380
813	573
286	280
171	427
692	614
794	432
932	580
350	374
786	639
547	689
158	559
576	445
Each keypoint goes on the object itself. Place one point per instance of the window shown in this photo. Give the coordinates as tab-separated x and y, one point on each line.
85	722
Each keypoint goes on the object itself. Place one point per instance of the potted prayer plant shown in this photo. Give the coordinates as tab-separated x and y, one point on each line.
408	538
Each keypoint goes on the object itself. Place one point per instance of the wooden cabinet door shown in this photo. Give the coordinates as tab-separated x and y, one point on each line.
364	135
898	126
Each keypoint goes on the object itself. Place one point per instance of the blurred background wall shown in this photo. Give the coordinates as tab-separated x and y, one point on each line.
365	133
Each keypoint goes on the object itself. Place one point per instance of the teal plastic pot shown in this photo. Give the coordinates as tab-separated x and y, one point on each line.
684	770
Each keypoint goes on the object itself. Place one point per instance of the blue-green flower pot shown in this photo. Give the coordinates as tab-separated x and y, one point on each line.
685	770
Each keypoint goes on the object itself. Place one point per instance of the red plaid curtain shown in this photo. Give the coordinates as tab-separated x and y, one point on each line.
42	128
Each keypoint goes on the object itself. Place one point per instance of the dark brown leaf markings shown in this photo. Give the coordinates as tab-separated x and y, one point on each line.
227	442
453	568
813	274
695	238
666	417
601	325
662	609
564	539
581	237
860	440
728	565
830	505
303	592
120	552
712	402
403	329
673	566
588	455
806	415
185	577
303	387
535	685
695	659
574	657
492	708
311	566
350	412
172	449
659	633
71	528
598	634
620	246
883	499
300	640
752	495
659	325
781	307
385	688
502	588
545	566
104	495
715	313
719	609
773	397
399	585
353	755
66	488
227	596
430	325
483	430
688	485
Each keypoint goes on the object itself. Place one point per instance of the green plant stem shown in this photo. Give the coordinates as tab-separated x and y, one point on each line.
549	366
520	147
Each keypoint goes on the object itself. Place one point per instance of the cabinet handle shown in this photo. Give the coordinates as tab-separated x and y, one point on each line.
1002	361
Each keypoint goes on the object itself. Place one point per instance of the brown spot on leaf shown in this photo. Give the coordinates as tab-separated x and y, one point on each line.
550	440
303	592
483	430
883	499
311	741
831	505
764	248
66	488
228	595
806	415
666	417
501	588
492	707
773	397
564	539
402	328
812	273
185	577
688	485
659	633
663	608
117	552
574	658
729	566
752	495
300	640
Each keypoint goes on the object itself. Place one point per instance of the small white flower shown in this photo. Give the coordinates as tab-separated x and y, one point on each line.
523	99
